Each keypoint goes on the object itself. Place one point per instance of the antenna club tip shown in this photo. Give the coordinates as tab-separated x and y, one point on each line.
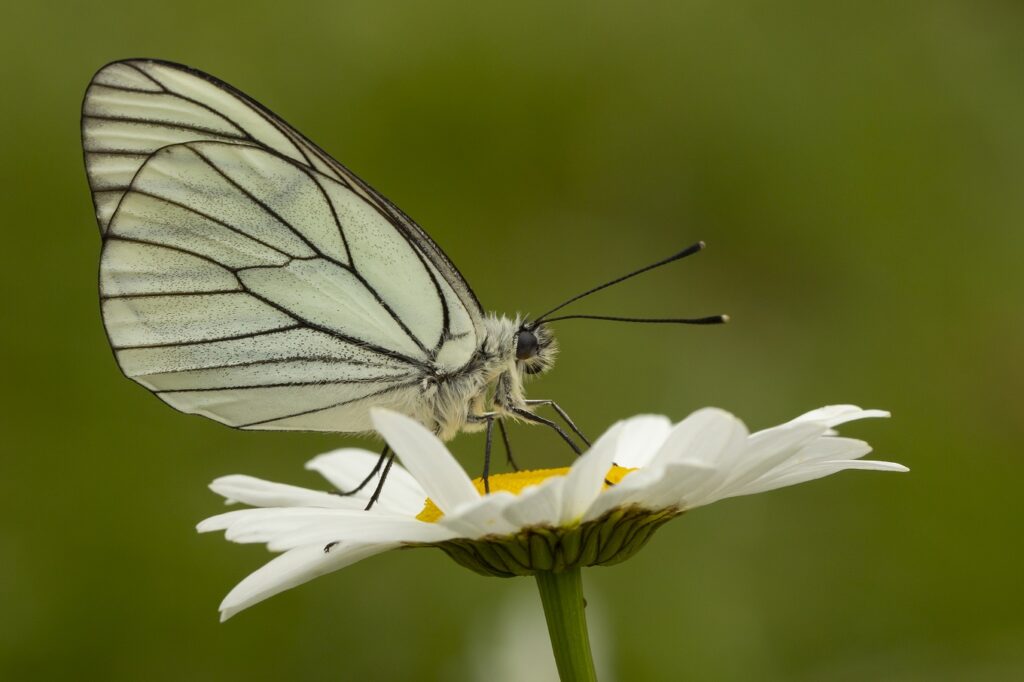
702	244
725	318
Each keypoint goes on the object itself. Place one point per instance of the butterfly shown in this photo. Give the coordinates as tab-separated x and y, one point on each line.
248	277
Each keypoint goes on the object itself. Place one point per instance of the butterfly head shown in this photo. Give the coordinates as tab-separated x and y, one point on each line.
535	348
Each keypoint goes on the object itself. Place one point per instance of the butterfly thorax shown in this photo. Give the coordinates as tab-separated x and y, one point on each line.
492	382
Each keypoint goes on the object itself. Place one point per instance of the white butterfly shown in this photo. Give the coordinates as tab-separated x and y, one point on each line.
249	277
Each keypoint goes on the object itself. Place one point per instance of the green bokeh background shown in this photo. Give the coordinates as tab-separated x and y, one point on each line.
856	171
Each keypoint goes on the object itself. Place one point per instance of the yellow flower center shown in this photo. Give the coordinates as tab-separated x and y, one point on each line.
515	483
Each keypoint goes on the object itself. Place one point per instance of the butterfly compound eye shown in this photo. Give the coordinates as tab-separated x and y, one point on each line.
526	344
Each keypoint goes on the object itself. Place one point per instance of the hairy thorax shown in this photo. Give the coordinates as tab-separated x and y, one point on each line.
488	385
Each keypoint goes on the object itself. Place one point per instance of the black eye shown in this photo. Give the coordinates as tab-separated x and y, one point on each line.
526	344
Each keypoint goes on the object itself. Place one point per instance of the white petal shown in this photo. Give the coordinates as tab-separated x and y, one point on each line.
265	524
347	468
293	568
831	447
834	415
810	472
352	529
704	437
260	493
826	448
655	488
485	517
640	439
225	520
586	477
762	452
427	459
292	526
631	490
706	458
537	505
685	486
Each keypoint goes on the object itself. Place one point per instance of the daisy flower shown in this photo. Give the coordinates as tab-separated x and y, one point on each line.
641	473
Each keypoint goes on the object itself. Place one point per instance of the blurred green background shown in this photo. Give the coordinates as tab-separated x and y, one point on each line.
856	171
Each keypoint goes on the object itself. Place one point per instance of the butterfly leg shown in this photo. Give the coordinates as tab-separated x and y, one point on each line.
380	483
537	419
487	455
508	446
369	476
563	414
490	418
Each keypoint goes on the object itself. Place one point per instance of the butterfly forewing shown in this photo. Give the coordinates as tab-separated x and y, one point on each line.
134	107
245	274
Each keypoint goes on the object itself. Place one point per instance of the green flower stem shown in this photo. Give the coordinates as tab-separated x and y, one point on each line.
562	596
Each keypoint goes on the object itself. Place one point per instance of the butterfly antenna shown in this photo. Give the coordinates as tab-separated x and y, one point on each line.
688	251
713	319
